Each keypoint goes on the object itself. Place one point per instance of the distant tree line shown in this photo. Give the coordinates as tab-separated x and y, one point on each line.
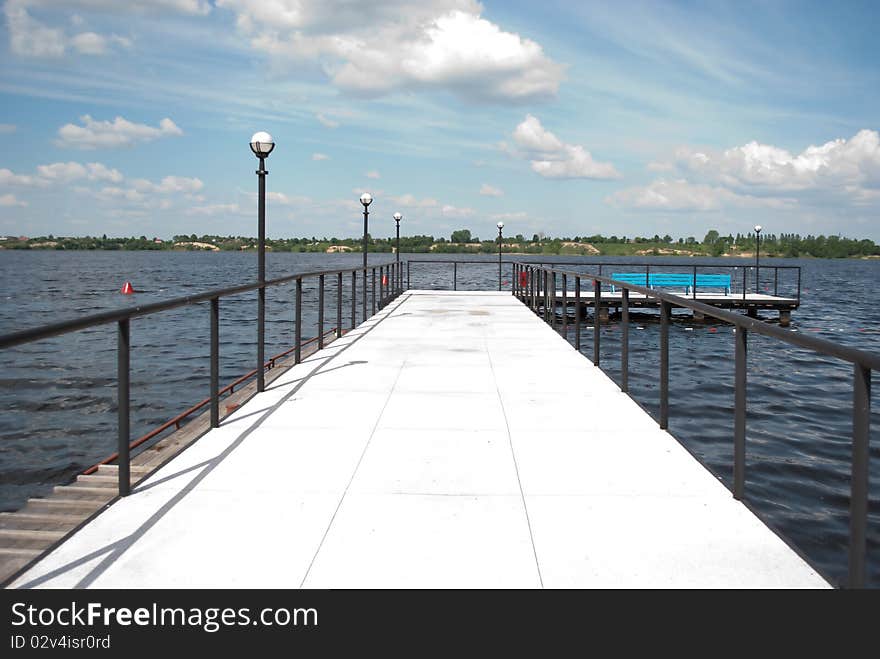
463	241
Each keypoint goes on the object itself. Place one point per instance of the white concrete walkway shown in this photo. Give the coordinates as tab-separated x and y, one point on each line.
427	449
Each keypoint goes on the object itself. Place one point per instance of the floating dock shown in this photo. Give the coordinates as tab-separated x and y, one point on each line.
751	303
431	446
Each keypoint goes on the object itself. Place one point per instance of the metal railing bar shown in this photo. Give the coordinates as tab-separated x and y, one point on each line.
853	355
123	392
63	327
177	420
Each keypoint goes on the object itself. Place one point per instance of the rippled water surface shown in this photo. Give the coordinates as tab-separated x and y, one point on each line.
58	396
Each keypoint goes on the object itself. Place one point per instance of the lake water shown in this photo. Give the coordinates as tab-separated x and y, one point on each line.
57	397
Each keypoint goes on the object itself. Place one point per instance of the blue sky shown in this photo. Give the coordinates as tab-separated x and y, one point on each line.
627	118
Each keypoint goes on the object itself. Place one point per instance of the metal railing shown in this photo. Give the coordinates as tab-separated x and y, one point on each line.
389	287
455	263
537	290
748	278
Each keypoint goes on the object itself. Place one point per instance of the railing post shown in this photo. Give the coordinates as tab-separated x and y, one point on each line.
261	338
694	290
775	281
552	293
536	286
739	423
215	362
353	299
744	282
577	314
858	499
338	305
320	312
455	275
297	334
565	306
123	398
546	296
364	305
665	311
374	291
597	304
408	283
624	340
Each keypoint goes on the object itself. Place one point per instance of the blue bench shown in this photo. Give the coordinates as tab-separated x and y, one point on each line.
673	280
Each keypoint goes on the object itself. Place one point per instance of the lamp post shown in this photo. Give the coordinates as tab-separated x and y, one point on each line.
500	226
397	218
366	200
262	145
757	252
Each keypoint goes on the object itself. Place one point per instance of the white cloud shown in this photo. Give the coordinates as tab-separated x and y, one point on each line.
327	121
839	171
410	201
320	156
287	200
681	195
379	47
8	177
71	171
7	128
89	43
552	158
453	211
9	200
490	191
113	134
372	174
169	185
29	37
215	209
518	215
854	162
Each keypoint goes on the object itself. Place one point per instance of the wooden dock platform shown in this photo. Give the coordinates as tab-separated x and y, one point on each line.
425	448
751	303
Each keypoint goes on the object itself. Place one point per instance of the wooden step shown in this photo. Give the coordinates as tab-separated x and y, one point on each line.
114	470
12	560
30	539
82	492
94	480
112	480
46	522
58	505
19	552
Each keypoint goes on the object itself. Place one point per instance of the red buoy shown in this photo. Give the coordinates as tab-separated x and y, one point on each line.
127	288
384	280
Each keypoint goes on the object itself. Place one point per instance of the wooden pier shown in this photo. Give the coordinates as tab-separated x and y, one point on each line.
425	448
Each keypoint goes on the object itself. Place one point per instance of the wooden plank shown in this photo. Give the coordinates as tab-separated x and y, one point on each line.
55	505
38	537
80	492
18	552
20	520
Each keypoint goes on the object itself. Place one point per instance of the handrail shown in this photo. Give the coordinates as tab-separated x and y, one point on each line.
176	420
853	355
538	291
689	266
390	285
63	327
